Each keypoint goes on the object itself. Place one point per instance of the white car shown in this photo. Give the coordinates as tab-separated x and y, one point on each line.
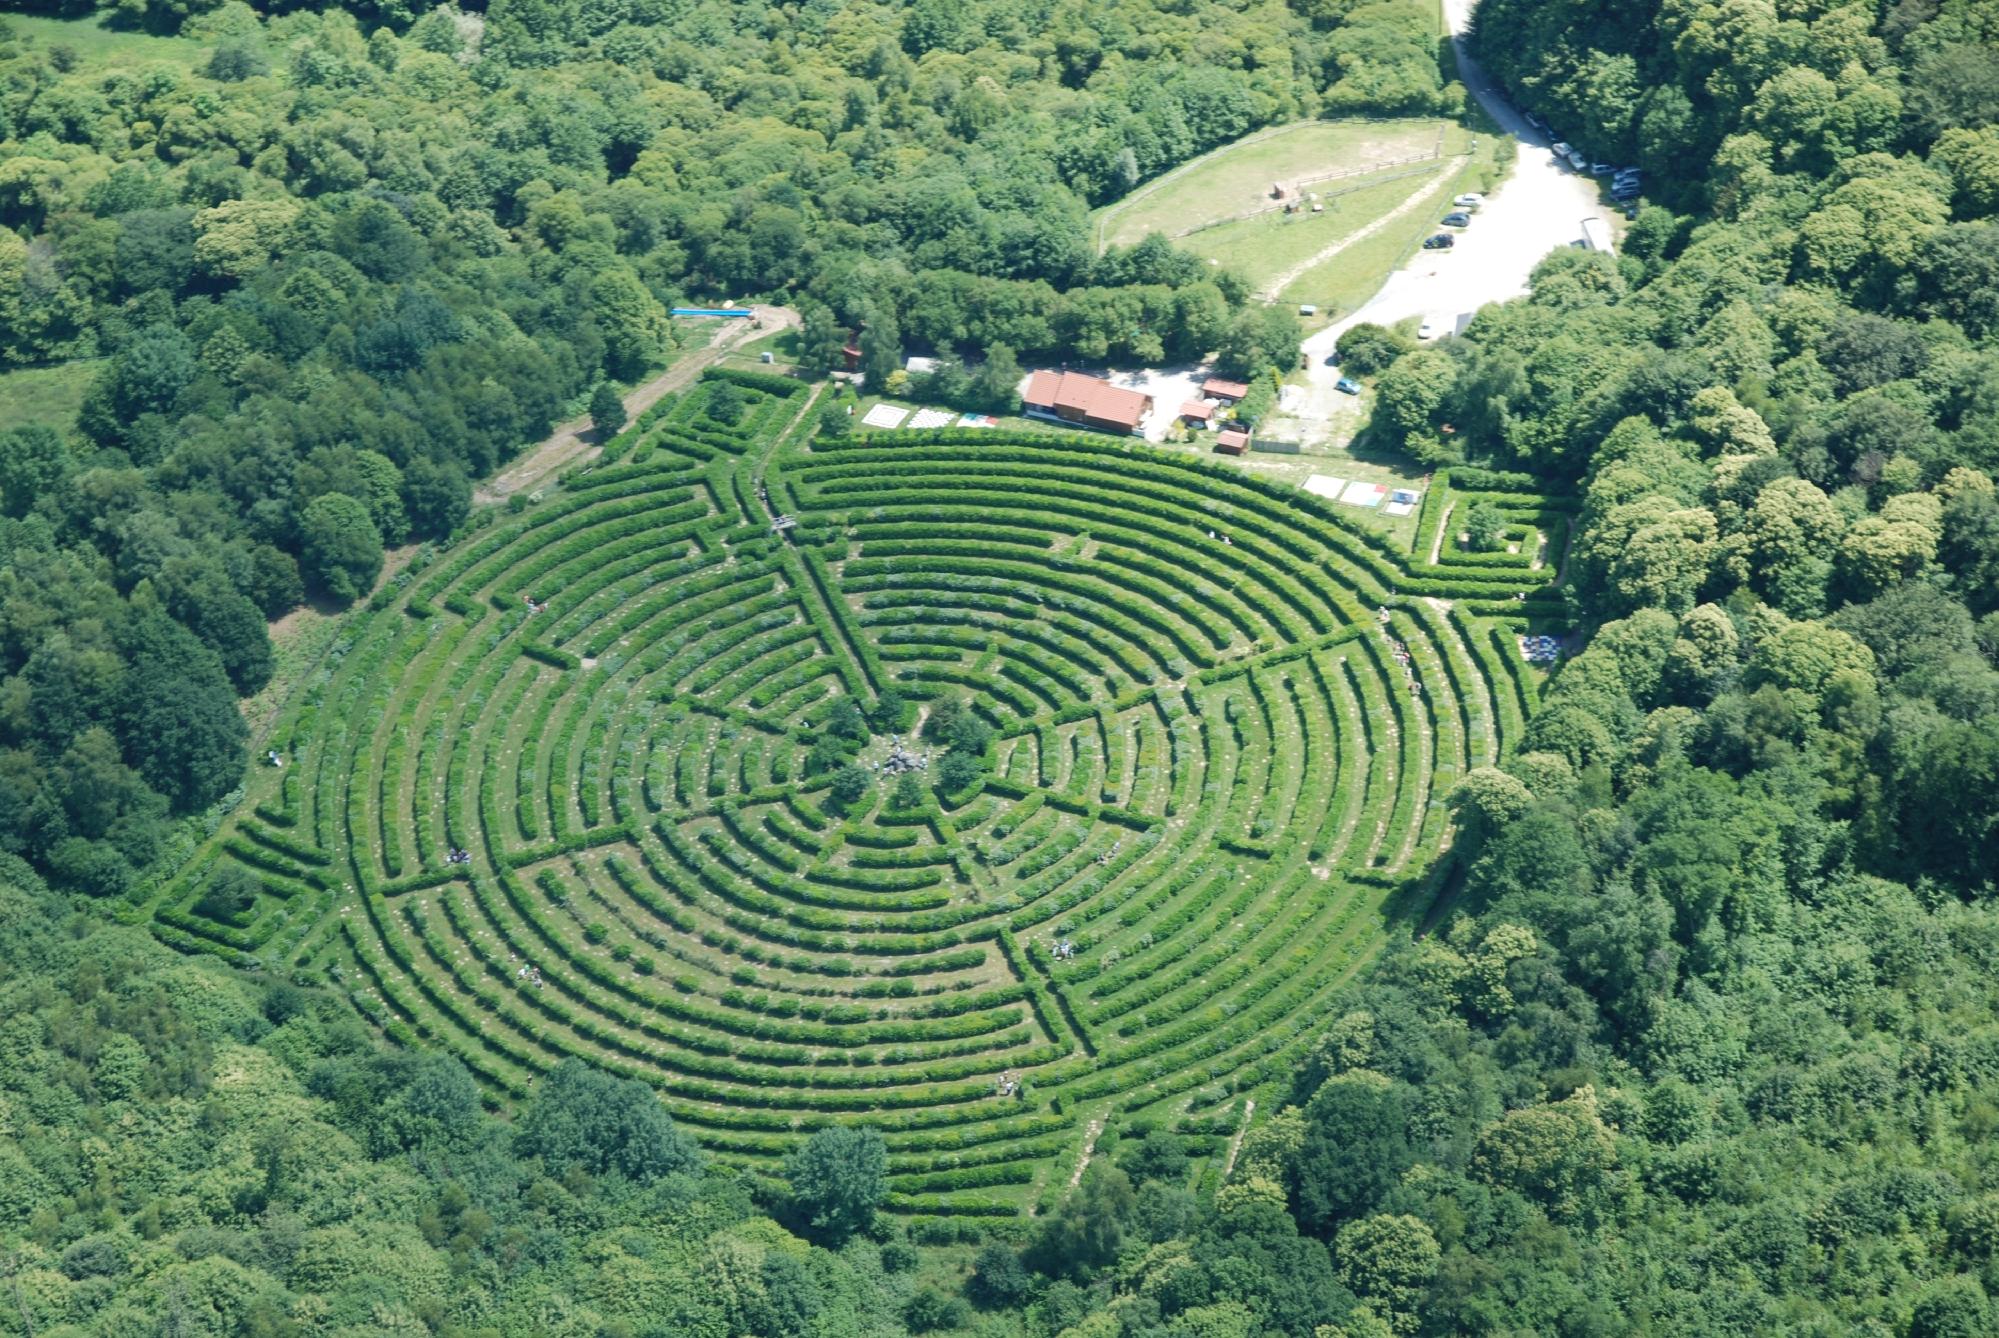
1469	200
1430	328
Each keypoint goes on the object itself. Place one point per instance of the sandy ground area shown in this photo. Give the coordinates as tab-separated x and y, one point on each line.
1170	387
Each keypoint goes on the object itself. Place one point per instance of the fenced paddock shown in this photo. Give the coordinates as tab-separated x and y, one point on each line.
1210	776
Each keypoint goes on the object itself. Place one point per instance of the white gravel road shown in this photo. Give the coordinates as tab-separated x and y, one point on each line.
1538	208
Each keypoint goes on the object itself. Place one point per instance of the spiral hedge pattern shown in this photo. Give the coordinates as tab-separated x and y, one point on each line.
1211	777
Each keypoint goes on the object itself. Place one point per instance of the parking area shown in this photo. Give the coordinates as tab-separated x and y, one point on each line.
1538	208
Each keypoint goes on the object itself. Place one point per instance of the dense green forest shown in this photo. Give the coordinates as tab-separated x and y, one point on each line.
1710	1044
335	263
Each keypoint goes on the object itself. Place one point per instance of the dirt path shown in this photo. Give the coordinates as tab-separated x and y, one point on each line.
1443	528
577	440
1235	1144
1290	276
300	637
1090	1134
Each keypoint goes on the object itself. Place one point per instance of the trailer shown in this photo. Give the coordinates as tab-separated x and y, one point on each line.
1596	235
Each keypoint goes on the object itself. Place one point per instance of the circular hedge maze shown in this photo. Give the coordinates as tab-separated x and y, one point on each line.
569	789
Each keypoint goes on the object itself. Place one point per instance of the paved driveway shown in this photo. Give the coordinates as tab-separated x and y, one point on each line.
1538	208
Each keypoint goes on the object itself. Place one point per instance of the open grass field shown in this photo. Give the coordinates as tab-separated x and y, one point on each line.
1337	258
96	44
49	395
782	345
1214	773
1291	471
1237	177
1343	282
1262	248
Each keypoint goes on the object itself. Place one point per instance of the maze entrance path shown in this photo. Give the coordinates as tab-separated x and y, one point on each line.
1223	723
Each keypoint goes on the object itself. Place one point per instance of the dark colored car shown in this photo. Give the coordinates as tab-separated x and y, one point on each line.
1346	385
1457	220
1442	241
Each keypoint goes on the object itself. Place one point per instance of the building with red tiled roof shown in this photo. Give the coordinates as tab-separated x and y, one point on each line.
1088	401
1232	441
1197	413
1228	392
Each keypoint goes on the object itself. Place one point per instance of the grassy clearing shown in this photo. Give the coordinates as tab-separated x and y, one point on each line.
1293	470
782	345
1006	423
96	44
1237	177
49	395
1350	278
1261	248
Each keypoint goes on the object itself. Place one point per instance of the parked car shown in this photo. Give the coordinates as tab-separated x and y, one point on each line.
1429	329
1630	174
1537	123
1469	200
1442	241
1457	220
1624	193
1562	150
1602	169
1346	385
